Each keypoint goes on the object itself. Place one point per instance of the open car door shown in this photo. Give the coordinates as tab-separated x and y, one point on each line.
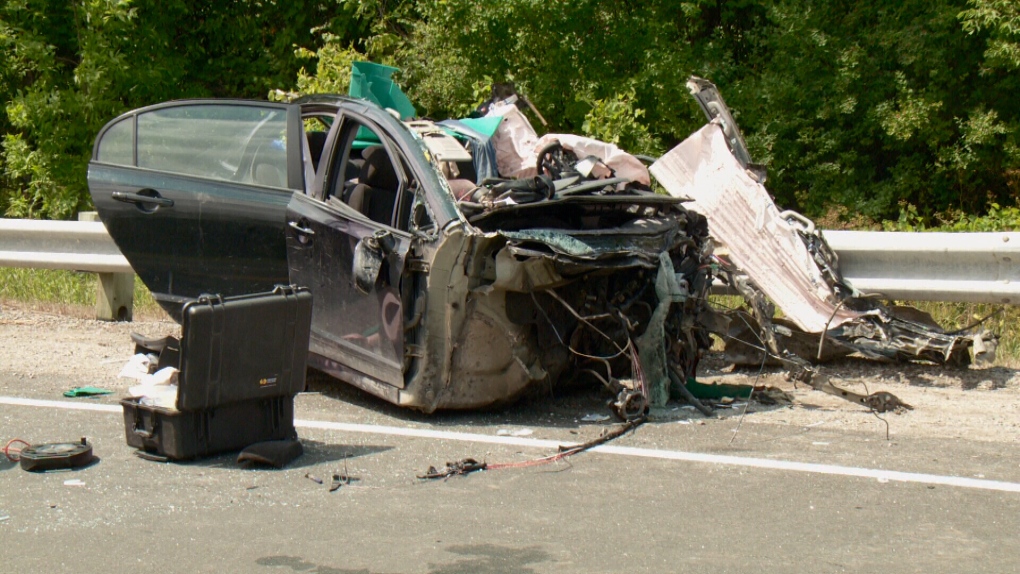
194	194
346	244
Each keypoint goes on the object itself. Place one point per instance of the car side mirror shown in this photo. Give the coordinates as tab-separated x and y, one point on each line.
369	255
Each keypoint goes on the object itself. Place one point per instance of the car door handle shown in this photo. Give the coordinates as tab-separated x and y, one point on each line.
301	230
138	198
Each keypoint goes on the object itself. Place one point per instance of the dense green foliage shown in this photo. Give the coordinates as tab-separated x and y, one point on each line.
860	104
69	66
867	108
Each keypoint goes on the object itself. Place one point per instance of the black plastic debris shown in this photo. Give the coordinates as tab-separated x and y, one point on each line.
465	466
56	456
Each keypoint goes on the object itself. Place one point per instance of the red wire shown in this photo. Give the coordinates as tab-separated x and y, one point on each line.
16	456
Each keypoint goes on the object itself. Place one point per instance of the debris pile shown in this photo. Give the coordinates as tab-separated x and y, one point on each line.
778	259
575	270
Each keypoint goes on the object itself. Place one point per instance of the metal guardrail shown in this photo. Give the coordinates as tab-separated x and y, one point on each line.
74	245
931	266
78	246
966	267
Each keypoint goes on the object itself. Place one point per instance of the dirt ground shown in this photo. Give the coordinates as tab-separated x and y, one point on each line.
44	352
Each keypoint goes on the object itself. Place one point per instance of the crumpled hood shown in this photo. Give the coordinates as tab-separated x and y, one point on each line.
642	239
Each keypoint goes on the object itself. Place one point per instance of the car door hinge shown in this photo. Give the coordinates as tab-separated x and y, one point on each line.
416	351
417	265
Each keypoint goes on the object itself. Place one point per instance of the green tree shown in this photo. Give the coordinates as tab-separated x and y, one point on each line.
868	104
69	66
582	62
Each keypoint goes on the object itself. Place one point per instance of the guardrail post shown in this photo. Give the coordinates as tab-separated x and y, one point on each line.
115	292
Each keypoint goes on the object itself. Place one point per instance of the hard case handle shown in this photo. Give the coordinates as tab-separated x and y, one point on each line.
145	434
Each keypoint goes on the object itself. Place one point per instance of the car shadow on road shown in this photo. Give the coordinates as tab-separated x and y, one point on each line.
569	408
315	453
928	375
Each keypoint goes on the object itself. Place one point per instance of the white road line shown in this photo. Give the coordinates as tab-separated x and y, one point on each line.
60	405
882	475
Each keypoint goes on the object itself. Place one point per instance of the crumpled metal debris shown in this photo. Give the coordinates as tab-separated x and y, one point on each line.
778	258
464	466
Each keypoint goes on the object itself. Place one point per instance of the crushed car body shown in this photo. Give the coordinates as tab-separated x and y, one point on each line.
436	283
464	263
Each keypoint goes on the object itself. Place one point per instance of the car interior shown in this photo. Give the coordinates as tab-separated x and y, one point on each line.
365	177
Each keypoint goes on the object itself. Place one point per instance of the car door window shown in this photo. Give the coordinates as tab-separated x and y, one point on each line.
117	146
243	144
367	176
195	194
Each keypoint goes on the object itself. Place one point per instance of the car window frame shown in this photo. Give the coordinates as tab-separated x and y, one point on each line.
342	135
295	155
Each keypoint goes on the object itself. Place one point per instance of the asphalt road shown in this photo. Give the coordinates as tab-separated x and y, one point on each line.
676	495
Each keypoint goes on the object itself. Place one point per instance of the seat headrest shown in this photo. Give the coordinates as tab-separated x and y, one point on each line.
378	170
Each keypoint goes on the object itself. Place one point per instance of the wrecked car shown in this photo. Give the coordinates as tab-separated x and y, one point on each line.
441	278
461	264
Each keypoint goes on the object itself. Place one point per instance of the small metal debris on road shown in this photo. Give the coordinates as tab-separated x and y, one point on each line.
594	418
312	478
465	466
74	482
469	465
4	516
342	479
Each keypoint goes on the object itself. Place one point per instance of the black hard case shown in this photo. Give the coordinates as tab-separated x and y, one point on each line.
243	348
241	360
182	435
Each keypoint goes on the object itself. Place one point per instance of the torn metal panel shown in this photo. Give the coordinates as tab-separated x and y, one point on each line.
743	217
778	259
653	343
786	260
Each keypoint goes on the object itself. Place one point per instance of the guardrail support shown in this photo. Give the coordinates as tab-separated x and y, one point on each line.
115	292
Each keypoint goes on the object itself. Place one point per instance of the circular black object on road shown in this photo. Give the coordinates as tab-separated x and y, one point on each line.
55	456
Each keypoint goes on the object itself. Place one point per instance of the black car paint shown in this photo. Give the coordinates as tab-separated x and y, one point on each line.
230	238
229	245
212	236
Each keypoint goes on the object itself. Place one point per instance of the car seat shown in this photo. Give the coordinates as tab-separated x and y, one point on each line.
376	192
269	165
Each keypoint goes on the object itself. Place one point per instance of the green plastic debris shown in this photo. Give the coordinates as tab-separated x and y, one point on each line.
718	391
372	82
87	392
